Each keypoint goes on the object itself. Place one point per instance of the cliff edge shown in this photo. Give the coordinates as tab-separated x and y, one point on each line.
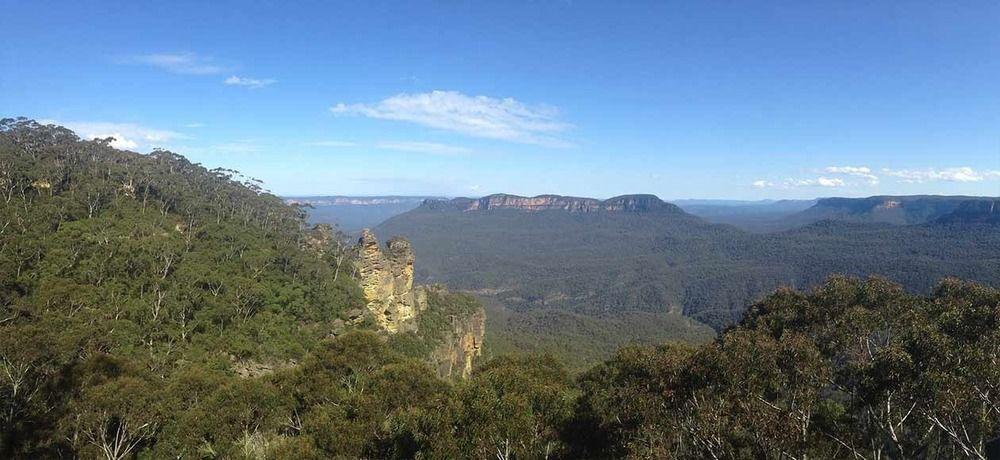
445	328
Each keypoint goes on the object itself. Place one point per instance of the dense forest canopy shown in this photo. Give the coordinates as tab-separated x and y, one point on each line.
123	275
150	308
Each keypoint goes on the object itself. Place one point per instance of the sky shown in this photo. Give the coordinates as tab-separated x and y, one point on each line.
739	100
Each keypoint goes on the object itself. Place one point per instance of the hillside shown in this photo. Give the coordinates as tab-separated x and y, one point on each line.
769	217
973	211
898	210
665	260
150	304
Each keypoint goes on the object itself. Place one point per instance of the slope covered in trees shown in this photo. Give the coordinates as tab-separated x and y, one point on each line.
899	210
142	297
854	369
123	272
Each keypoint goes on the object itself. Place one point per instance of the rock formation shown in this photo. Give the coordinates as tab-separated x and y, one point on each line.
395	305
463	345
624	203
386	278
320	239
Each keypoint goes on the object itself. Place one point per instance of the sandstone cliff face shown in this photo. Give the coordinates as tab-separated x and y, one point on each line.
386	278
624	203
456	355
455	329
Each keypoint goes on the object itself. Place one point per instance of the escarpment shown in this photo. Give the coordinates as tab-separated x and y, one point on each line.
899	210
624	203
461	346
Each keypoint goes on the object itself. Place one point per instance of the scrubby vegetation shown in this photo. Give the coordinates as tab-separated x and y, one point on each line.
150	308
580	341
435	324
121	273
855	369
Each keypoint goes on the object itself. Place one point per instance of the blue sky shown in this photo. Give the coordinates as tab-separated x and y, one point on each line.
744	100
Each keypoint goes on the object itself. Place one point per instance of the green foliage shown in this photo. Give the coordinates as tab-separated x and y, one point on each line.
151	261
152	309
855	369
513	408
581	341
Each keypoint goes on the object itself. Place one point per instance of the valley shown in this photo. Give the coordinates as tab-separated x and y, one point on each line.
507	230
567	262
188	312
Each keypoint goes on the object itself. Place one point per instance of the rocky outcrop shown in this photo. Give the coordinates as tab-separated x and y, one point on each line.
320	239
624	203
453	327
386	278
455	356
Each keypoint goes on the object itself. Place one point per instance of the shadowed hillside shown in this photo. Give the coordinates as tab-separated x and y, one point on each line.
662	259
898	210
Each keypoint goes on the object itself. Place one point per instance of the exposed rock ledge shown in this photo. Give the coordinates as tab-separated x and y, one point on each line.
624	203
456	355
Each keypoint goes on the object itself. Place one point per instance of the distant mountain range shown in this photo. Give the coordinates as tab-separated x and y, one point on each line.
616	258
756	216
353	213
356	200
624	203
898	210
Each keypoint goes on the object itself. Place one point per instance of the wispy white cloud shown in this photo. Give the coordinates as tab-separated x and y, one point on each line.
797	183
480	116
826	182
423	147
959	174
816	182
179	63
853	170
963	174
194	125
857	171
331	144
252	83
126	135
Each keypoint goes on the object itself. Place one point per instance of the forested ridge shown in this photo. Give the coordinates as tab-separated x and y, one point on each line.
131	283
150	308
601	263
